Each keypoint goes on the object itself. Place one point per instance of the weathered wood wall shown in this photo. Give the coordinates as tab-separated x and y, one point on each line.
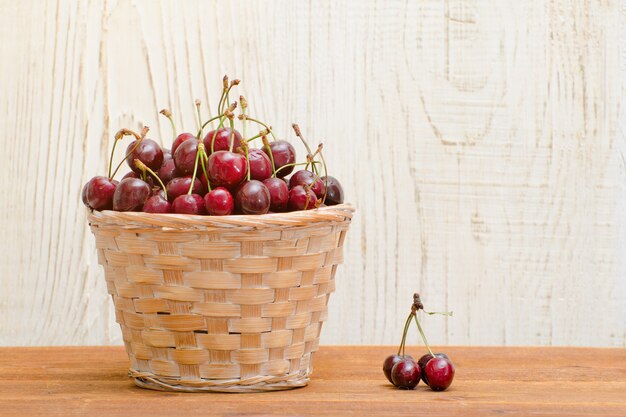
482	141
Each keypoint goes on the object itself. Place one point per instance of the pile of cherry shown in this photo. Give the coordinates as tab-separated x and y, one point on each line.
435	369
218	174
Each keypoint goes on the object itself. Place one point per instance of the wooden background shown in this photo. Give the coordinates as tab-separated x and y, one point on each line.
483	143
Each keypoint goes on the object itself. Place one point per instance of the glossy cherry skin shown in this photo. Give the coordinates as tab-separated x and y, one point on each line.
283	153
334	191
219	202
180	139
301	199
424	360
260	165
188	204
157	204
304	177
83	195
440	373
167	172
252	197
227	169
406	374
148	151
167	154
389	362
279	194
222	140
185	157
180	185
130	195
98	193
132	174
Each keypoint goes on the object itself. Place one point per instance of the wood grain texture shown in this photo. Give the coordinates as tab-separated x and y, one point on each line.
482	142
346	381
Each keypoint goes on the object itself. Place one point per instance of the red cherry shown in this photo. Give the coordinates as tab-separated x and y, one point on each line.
98	193
133	174
305	177
406	374
185	157
440	373
130	195
222	140
180	185
260	164
180	139
83	194
279	194
283	153
157	204
167	171
219	202
227	169
424	360
301	199
148	151
252	197
334	191
188	204
390	361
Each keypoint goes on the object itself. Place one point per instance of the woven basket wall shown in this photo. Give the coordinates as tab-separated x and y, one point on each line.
229	304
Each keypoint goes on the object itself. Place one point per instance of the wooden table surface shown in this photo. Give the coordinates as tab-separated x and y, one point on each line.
346	381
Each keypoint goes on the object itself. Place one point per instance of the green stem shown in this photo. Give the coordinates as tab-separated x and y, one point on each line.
293	165
138	140
442	313
145	168
406	329
215	134
325	176
423	336
205	160
206	123
232	135
111	158
195	171
198	115
262	124
267	146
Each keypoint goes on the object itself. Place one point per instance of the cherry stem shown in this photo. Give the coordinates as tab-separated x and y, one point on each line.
319	150
295	165
168	114
198	104
117	138
296	129
232	134
203	162
127	132
206	123
442	313
423	335
215	134
406	329
143	167
267	146
199	151
261	123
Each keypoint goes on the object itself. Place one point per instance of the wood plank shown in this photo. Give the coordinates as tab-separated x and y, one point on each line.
346	381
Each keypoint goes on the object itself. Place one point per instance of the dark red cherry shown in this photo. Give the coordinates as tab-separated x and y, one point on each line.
167	154
132	174
252	197
284	154
98	193
83	194
301	199
260	165
390	361
222	139
167	171
180	139
130	195
440	373
157	204
334	191
424	360
185	157
227	169
188	204
305	177
279	194
180	185
148	151
405	374
219	202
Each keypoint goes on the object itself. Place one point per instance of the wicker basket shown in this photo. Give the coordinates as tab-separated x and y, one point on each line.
228	304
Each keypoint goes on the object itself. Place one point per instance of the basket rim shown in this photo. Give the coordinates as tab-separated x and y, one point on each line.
129	219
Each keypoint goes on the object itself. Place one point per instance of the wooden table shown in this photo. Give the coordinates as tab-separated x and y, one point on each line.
346	381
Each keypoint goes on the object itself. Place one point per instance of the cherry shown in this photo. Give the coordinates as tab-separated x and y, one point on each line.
185	157
147	151
98	193
304	177
188	204
83	194
157	204
424	360
252	197
279	194
260	164
390	362
180	139
405	374
132	174
283	153
440	373
180	185
227	169
301	198
334	191
222	139
130	194
219	202
167	171
167	154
